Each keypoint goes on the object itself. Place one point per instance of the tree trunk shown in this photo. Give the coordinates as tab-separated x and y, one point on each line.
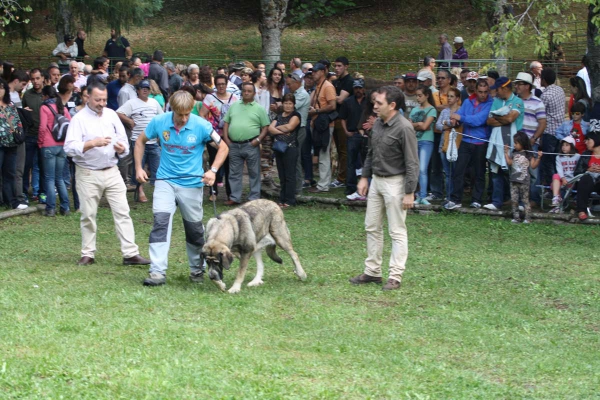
63	21
593	53
500	48
271	27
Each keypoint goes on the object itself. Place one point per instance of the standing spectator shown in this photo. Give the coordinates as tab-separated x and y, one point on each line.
399	82
323	102
295	67
307	149
281	65
79	41
579	95
444	126
66	52
95	139
426	78
275	85
302	99
436	169
470	86
554	101
156	94
158	73
117	47
114	87
423	119
343	90
536	69
193	75
445	51
245	126
80	80
17	82
472	116
32	101
350	114
214	108
410	91
285	129
9	123
428	65
394	174
261	66
505	97
54	157
583	74
128	91
175	80
136	114
306	67
54	74
460	53
262	96
235	76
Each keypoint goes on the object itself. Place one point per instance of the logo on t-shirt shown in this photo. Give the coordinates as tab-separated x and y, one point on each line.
166	135
191	139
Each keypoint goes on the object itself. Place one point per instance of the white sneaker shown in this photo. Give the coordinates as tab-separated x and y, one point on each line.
451	205
556	200
475	205
356	197
359	172
491	207
22	206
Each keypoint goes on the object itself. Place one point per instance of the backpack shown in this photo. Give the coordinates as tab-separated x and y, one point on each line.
60	126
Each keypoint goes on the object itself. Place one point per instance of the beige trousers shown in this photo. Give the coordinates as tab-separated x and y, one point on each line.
91	185
385	197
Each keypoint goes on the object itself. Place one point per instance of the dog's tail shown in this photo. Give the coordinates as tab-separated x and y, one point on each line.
273	254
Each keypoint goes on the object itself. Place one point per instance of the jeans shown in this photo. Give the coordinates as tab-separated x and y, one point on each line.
54	165
353	146
238	153
499	194
151	156
534	191
32	152
448	169
306	155
469	154
425	152
436	172
8	165
286	169
67	173
547	166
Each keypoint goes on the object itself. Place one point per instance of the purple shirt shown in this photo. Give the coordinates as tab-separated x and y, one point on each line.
461	54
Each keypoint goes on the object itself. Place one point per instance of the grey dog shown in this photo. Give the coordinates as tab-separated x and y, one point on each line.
244	232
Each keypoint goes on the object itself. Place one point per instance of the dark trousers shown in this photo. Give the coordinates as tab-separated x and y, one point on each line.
223	172
353	147
8	165
501	188
31	149
307	155
469	154
436	169
73	183
547	166
286	168
340	138
585	187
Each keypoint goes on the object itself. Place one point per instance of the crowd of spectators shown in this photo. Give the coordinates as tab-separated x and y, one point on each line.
281	119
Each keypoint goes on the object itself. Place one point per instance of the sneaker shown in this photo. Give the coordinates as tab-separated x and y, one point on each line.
359	172
526	221
197	277
50	213
475	205
432	197
422	202
337	184
22	206
555	210
556	200
516	221
42	198
491	207
66	213
305	185
451	206
356	197
155	279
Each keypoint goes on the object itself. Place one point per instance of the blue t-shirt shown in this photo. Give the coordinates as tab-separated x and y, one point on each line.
113	89
181	151
514	103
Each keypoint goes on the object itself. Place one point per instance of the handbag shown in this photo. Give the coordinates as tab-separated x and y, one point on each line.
280	146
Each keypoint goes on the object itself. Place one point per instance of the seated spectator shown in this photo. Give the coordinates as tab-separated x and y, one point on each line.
576	127
579	95
590	163
565	167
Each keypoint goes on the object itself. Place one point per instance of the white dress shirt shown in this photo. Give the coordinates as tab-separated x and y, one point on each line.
88	125
62	48
583	74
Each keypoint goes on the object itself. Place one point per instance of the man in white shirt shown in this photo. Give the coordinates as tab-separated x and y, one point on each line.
95	139
583	74
66	52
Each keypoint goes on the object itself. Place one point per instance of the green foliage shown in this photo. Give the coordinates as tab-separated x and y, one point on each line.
300	11
11	11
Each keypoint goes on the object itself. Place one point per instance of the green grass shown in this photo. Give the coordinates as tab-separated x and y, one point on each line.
486	310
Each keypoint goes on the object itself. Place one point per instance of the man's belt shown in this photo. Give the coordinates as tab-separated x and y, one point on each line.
243	141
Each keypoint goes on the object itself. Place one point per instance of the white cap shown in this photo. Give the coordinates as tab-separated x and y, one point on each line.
424	75
524	77
568	139
458	39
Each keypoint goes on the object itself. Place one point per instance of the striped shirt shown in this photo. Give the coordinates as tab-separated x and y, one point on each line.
534	111
142	113
554	100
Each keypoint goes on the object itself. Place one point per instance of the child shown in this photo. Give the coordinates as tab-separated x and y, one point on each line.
565	168
519	177
576	127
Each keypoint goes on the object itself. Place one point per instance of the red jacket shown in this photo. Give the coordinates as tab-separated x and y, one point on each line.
45	138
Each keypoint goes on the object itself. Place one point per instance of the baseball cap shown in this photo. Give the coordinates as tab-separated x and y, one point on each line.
238	66
524	77
295	77
410	75
424	75
317	67
359	83
472	76
145	84
325	62
458	39
68	38
500	82
569	139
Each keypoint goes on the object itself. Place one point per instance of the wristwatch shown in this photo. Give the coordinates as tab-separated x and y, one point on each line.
213	169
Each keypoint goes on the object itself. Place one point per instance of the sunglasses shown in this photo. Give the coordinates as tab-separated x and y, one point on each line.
577	113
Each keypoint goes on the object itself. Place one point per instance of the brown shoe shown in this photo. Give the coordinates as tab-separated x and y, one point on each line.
364	278
231	203
85	261
136	260
391	284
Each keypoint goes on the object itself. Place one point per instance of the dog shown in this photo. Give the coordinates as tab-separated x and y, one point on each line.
244	232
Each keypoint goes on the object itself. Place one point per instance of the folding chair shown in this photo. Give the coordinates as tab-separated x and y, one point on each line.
571	193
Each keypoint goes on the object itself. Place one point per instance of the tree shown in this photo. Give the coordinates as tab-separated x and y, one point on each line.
277	15
593	41
11	11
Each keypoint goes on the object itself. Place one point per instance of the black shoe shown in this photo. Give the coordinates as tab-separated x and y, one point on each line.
136	260
66	213
155	279
364	278
50	213
197	277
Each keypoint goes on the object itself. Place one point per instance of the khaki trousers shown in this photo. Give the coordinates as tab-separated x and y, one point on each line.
385	197
91	185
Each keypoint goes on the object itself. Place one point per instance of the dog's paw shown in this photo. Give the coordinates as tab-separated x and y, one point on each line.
220	285
255	282
233	290
300	274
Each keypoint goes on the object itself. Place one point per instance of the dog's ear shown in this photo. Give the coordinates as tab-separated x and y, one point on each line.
226	258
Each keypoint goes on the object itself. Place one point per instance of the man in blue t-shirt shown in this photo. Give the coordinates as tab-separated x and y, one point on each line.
179	182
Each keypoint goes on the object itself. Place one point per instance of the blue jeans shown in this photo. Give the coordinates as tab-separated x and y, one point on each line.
436	179
33	165
425	152
8	166
499	194
151	156
54	165
353	147
448	170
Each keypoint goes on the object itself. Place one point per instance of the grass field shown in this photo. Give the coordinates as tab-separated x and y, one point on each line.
486	310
